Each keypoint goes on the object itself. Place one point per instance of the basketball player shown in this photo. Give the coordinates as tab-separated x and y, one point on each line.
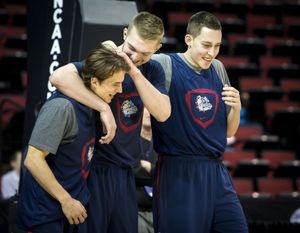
194	191
113	204
54	191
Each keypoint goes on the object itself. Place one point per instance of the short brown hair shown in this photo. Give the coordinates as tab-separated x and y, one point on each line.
148	26
200	20
102	63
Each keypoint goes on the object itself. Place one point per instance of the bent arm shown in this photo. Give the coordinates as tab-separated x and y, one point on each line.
35	162
231	97
157	103
66	79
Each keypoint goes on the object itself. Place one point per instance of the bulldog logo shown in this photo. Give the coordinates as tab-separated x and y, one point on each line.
129	111
203	105
86	157
128	108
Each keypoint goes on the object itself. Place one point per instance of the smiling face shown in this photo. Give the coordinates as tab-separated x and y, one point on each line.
103	72
203	48
139	50
143	37
109	87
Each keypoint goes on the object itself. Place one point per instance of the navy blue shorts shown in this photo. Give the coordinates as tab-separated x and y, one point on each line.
113	204
195	194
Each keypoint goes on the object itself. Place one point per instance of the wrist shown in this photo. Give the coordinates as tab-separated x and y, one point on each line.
102	106
135	74
62	198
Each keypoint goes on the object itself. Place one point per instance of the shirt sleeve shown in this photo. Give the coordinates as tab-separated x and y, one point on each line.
166	63
56	124
79	66
155	73
221	71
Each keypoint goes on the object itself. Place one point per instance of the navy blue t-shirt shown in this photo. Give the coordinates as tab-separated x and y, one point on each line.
70	166
198	122
127	108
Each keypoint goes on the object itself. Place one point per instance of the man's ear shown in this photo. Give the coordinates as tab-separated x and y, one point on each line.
94	82
188	39
125	31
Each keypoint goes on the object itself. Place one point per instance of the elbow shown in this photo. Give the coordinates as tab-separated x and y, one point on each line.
31	162
165	112
54	80
164	116
28	163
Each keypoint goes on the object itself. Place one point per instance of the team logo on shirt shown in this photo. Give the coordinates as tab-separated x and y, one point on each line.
129	111
203	105
128	108
86	157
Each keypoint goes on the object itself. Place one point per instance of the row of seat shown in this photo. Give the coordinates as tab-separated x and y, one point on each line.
268	69
240	7
286	85
13	68
267	187
16	19
245	163
9	105
13	47
264	98
275	157
252	48
13	82
252	25
281	129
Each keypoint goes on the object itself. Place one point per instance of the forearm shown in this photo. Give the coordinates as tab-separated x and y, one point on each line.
67	80
233	121
231	97
157	103
35	162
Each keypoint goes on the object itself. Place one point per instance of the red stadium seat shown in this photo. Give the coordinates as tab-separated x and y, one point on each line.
290	84
233	60
265	62
275	186
247	84
234	156
246	131
277	156
272	105
243	186
254	21
10	104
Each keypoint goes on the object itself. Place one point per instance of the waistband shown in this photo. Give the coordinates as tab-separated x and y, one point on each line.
101	162
191	157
